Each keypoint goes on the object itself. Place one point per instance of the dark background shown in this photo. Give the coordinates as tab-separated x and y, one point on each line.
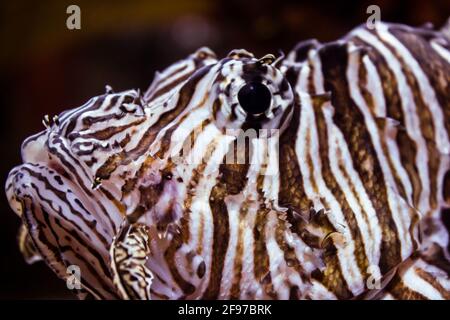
46	68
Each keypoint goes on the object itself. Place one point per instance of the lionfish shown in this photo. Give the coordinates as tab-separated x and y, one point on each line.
341	191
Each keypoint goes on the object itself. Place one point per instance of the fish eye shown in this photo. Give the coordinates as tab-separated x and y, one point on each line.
255	98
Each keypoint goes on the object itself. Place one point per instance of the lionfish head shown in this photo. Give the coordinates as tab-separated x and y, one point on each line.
202	141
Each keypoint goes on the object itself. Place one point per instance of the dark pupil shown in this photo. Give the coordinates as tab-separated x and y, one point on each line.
254	97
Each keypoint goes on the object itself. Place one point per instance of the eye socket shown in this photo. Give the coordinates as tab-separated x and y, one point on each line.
255	98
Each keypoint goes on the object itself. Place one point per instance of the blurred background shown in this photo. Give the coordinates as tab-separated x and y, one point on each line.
46	68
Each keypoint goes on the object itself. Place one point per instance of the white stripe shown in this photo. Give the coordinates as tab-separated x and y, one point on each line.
426	90
201	210
401	218
281	274
412	280
234	206
442	51
375	88
345	250
233	203
409	113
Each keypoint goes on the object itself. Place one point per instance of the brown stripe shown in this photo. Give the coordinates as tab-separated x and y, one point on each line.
332	277
220	239
291	192
125	157
428	277
66	169
185	235
350	121
169	256
407	146
260	255
169	86
401	292
436	69
237	267
107	132
288	252
370	102
426	122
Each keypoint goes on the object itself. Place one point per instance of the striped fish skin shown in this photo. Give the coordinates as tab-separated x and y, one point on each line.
337	191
